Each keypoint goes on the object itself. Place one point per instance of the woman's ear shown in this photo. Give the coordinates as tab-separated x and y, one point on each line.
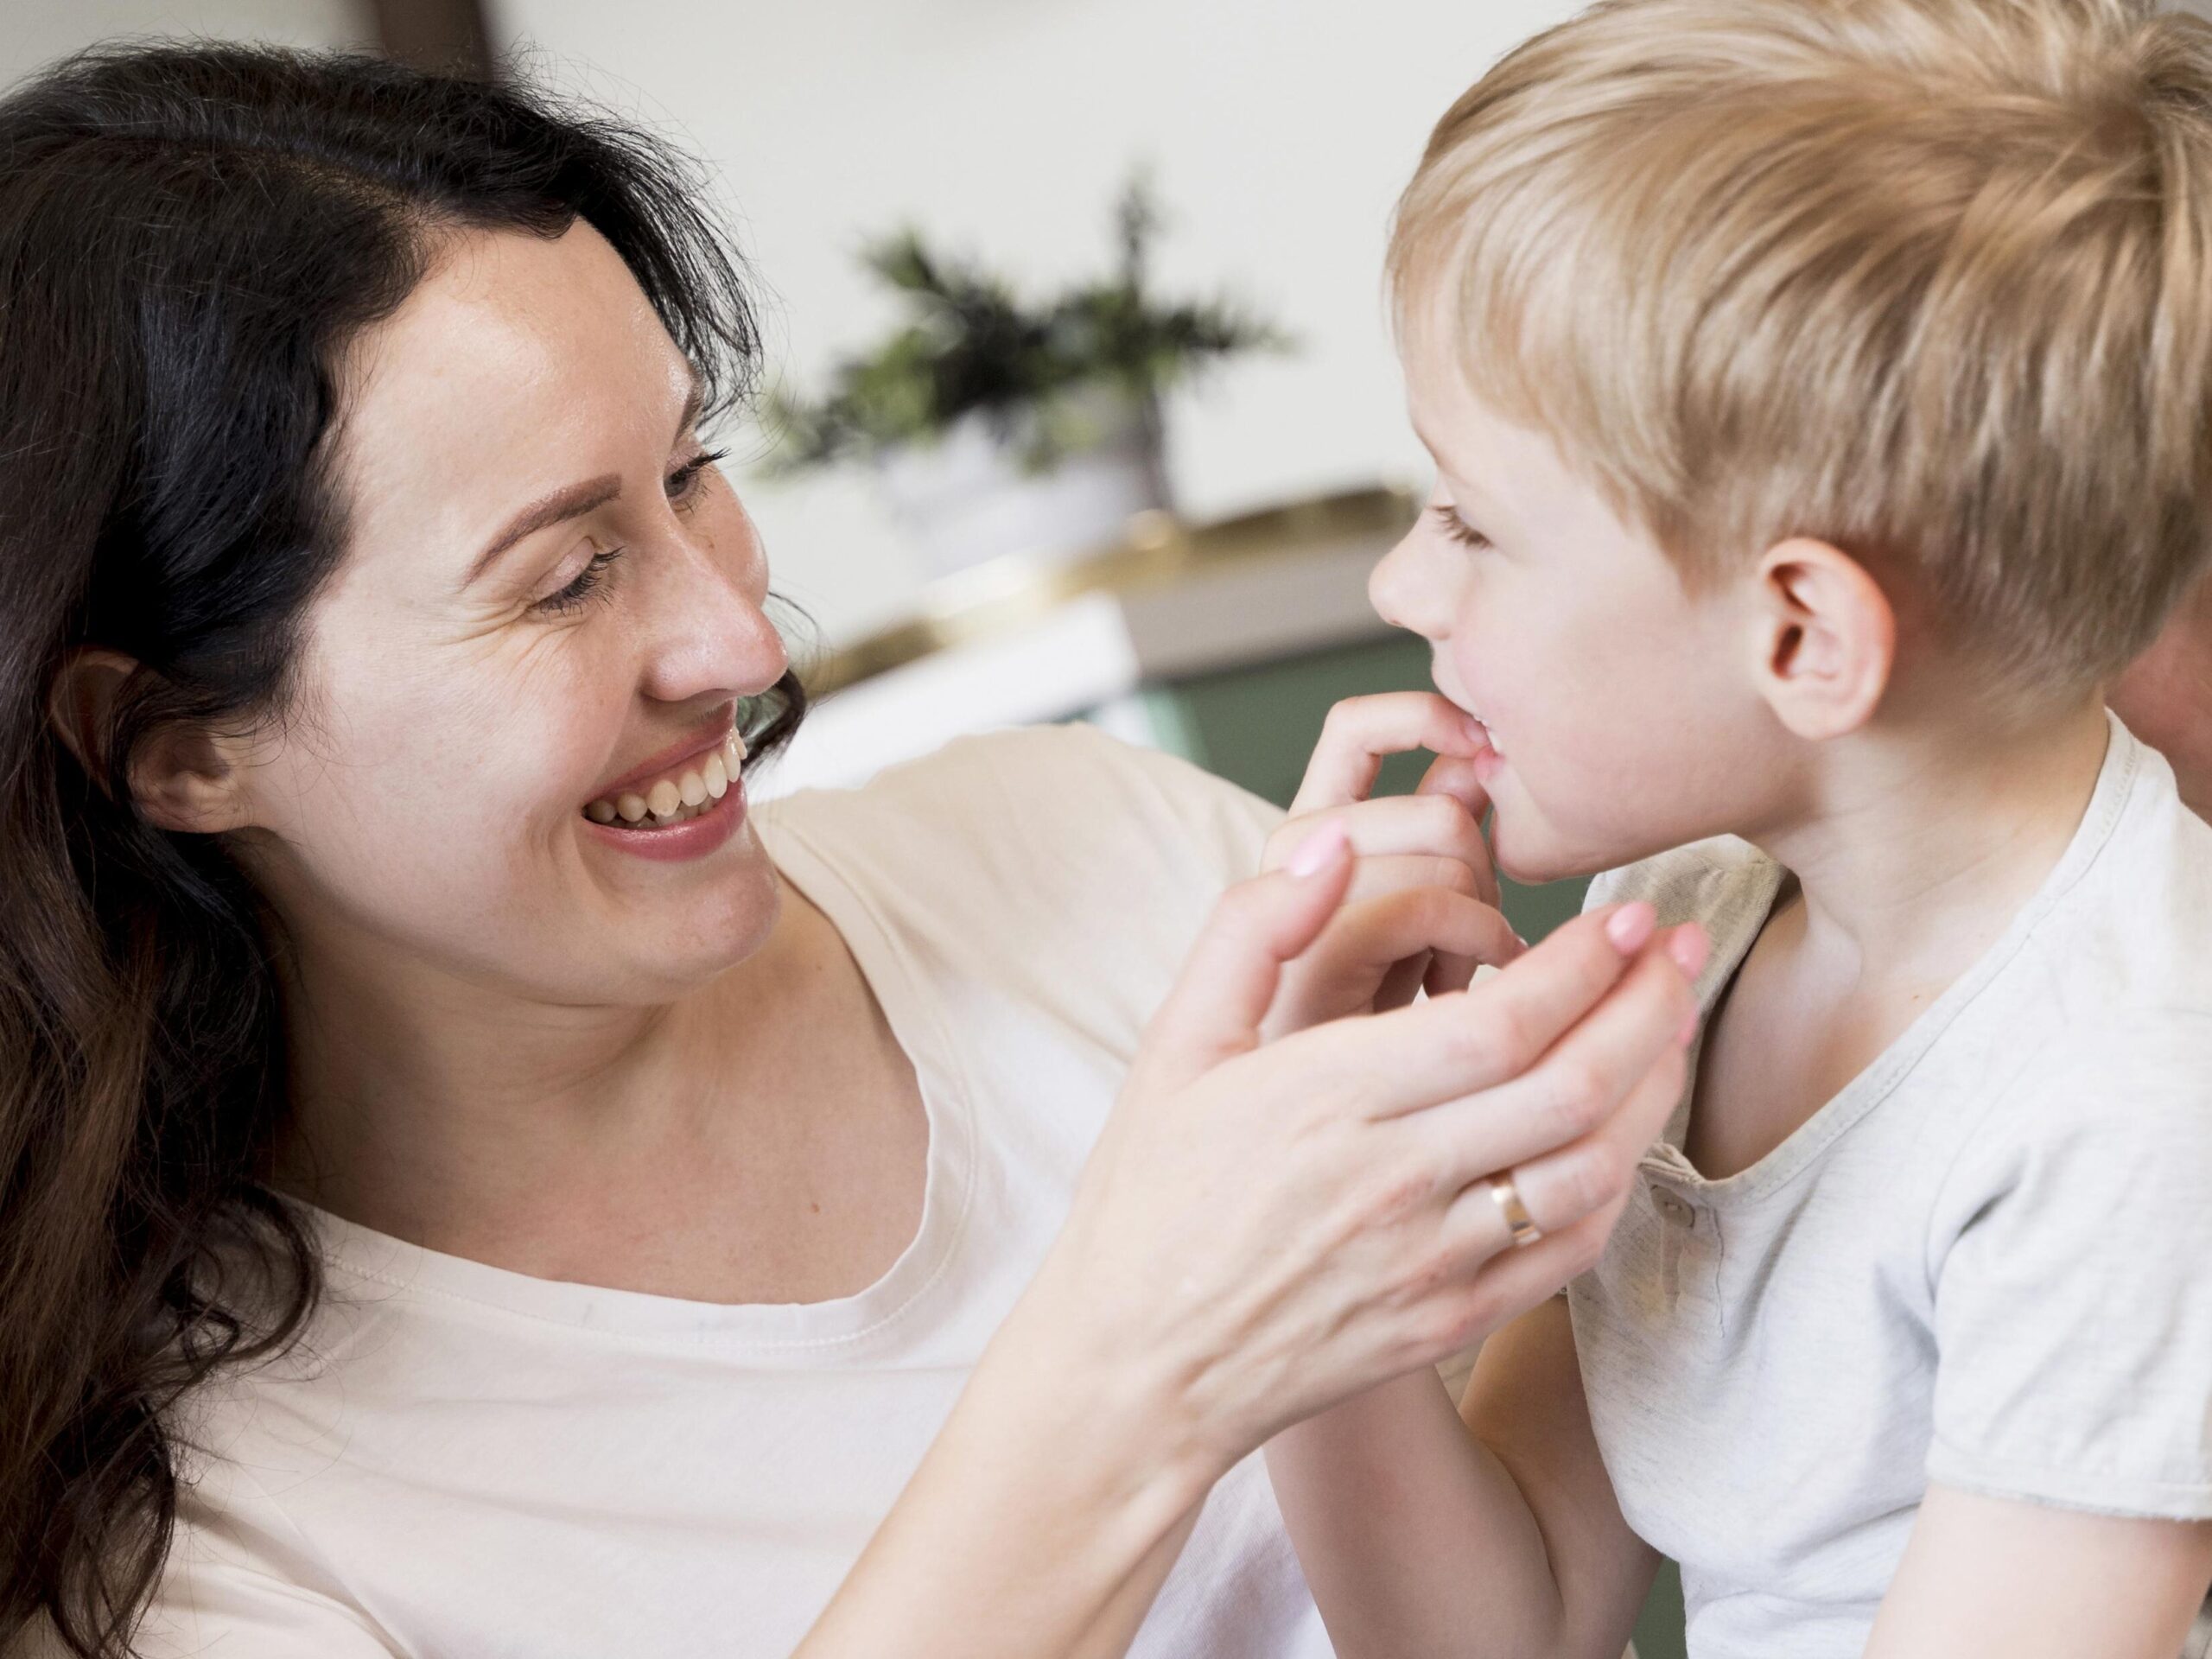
1824	637
180	779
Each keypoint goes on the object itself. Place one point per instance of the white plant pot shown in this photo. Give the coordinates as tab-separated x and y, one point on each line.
966	499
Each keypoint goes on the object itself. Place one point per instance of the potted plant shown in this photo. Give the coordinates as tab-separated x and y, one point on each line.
996	426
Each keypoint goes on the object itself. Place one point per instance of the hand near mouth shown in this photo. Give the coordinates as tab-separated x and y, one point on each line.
1421	911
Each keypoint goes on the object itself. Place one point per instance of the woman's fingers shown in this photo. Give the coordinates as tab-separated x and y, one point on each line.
1230	978
1507	1282
1579	1087
1361	733
1439	1051
1599	1171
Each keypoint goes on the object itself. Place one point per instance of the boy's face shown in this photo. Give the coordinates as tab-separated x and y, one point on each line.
1624	713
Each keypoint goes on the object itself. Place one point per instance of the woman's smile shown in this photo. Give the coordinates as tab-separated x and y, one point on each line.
693	805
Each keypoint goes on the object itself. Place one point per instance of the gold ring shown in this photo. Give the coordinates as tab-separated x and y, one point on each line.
1517	1220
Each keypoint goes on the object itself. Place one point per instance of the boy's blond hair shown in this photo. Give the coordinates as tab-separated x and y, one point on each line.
1928	279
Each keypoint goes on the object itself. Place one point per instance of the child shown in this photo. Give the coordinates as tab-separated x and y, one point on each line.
1821	393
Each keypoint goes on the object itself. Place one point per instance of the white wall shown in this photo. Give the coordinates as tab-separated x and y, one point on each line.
1280	131
38	31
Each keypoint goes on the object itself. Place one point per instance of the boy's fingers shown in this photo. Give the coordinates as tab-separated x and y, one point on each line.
1378	933
1378	878
1439	1051
1454	775
1396	826
1361	733
1232	973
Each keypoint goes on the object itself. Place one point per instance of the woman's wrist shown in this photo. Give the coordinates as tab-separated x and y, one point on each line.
1063	1362
1051	1495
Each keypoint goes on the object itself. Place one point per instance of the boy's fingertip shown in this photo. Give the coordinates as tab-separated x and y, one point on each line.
1631	927
1318	850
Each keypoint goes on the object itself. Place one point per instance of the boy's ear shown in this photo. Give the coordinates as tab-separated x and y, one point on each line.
1824	637
180	779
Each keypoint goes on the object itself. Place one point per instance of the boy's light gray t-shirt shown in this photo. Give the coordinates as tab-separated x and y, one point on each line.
1987	1263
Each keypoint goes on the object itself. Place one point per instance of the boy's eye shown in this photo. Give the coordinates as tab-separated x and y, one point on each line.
1458	528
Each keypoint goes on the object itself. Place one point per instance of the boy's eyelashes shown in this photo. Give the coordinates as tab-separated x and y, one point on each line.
1458	528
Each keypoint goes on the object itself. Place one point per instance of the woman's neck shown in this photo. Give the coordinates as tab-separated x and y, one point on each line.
556	1139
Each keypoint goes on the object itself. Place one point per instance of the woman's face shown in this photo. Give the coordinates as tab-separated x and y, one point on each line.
546	603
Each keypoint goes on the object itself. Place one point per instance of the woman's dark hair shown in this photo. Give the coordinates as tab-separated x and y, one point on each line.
190	236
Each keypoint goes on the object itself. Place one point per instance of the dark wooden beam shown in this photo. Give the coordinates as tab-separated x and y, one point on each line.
450	35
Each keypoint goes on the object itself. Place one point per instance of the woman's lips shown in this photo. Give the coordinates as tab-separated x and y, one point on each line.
682	791
695	836
709	735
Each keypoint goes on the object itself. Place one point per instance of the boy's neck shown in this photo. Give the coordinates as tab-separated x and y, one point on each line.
1918	851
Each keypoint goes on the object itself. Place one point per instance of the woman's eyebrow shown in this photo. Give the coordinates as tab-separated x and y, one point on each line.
573	501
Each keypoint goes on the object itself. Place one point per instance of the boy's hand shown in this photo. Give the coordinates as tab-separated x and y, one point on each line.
1422	909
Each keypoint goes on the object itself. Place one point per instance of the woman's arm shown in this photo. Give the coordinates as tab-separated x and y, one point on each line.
1260	1232
1997	1575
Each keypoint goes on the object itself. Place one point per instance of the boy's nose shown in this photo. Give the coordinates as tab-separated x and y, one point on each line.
1401	596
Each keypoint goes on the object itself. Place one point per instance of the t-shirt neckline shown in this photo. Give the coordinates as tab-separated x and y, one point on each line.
796	1332
1836	1116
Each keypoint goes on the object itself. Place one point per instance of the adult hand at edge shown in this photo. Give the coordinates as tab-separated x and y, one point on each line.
1263	1230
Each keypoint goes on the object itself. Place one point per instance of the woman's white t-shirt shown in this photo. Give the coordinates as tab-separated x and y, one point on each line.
462	1460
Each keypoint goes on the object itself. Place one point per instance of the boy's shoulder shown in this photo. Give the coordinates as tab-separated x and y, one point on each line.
1725	883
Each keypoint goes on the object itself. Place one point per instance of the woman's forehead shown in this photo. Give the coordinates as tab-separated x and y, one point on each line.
518	364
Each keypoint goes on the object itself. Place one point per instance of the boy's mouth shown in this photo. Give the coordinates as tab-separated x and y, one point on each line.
686	791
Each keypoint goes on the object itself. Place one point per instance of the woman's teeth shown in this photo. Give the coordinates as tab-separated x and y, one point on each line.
685	793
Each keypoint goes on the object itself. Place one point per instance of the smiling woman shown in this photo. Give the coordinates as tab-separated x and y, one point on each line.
469	1184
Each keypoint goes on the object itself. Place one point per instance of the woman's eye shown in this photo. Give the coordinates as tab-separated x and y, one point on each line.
1458	528
682	484
585	585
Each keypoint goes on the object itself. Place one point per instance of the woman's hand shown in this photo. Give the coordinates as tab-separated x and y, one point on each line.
1421	909
1263	1230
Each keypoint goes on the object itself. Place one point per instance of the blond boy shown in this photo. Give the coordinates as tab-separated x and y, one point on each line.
1821	393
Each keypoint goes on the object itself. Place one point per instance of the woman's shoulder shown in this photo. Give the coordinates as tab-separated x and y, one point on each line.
1031	858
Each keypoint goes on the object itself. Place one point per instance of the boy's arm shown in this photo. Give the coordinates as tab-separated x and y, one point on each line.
1997	1575
1497	1538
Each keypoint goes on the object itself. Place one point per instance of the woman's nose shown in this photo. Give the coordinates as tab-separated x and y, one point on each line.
1407	591
710	633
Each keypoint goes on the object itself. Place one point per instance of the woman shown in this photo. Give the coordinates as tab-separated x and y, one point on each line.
473	1187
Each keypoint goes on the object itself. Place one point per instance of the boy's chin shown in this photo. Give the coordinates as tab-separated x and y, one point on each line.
1532	855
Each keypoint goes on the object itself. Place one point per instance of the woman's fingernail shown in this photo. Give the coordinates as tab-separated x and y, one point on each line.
1629	926
1318	851
1689	947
